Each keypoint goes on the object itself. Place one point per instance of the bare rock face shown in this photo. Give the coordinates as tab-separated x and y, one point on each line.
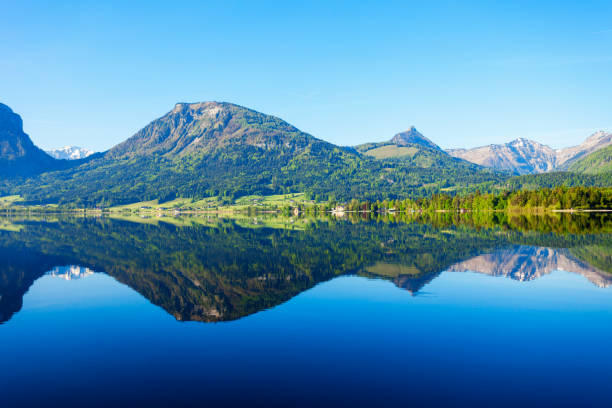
18	155
522	156
205	127
413	136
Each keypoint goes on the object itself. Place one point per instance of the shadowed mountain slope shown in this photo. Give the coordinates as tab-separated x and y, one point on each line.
18	155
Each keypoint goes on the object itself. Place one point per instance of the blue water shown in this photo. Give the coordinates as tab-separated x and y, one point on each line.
466	339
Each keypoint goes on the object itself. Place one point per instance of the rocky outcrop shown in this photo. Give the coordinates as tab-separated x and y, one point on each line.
18	154
413	137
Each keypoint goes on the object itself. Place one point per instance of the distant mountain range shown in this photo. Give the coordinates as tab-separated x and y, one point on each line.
221	149
522	156
70	153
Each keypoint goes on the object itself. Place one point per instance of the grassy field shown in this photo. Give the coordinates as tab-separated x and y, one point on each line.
245	221
178	203
392	270
392	151
215	203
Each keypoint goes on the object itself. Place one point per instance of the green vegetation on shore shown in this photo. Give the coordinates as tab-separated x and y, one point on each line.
546	199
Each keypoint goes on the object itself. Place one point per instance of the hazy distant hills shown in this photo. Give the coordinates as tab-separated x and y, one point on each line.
522	156
70	153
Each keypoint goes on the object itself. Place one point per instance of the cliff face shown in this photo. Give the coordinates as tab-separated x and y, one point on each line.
18	154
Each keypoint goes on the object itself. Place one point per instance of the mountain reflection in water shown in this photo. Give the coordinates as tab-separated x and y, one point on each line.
220	269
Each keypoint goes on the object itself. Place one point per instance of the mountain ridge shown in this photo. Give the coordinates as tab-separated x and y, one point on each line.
69	153
597	162
523	156
208	149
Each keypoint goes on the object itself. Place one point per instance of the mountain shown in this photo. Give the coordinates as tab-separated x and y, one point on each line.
413	137
522	156
413	149
208	127
70	153
18	155
404	145
221	149
595	163
595	142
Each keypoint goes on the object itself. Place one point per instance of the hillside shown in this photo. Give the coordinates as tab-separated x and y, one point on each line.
522	156
404	145
595	163
595	142
221	149
18	154
411	147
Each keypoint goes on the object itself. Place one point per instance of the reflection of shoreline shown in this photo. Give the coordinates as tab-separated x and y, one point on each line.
70	272
525	263
223	270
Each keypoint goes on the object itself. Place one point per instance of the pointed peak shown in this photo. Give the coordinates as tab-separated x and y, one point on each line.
413	136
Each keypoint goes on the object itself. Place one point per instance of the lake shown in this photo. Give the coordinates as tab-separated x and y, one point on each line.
444	310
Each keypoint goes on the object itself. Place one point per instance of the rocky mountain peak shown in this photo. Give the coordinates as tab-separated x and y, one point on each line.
9	120
18	154
524	156
206	127
413	136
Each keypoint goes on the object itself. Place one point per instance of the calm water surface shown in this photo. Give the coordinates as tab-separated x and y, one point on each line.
328	314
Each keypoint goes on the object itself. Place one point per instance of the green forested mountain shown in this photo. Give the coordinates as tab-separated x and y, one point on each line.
222	149
598	162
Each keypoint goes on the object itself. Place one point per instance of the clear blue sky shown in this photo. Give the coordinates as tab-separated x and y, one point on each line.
464	73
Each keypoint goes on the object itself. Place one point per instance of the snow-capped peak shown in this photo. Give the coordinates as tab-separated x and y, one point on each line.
70	153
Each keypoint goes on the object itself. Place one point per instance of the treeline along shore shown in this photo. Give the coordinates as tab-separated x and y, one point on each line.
545	199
